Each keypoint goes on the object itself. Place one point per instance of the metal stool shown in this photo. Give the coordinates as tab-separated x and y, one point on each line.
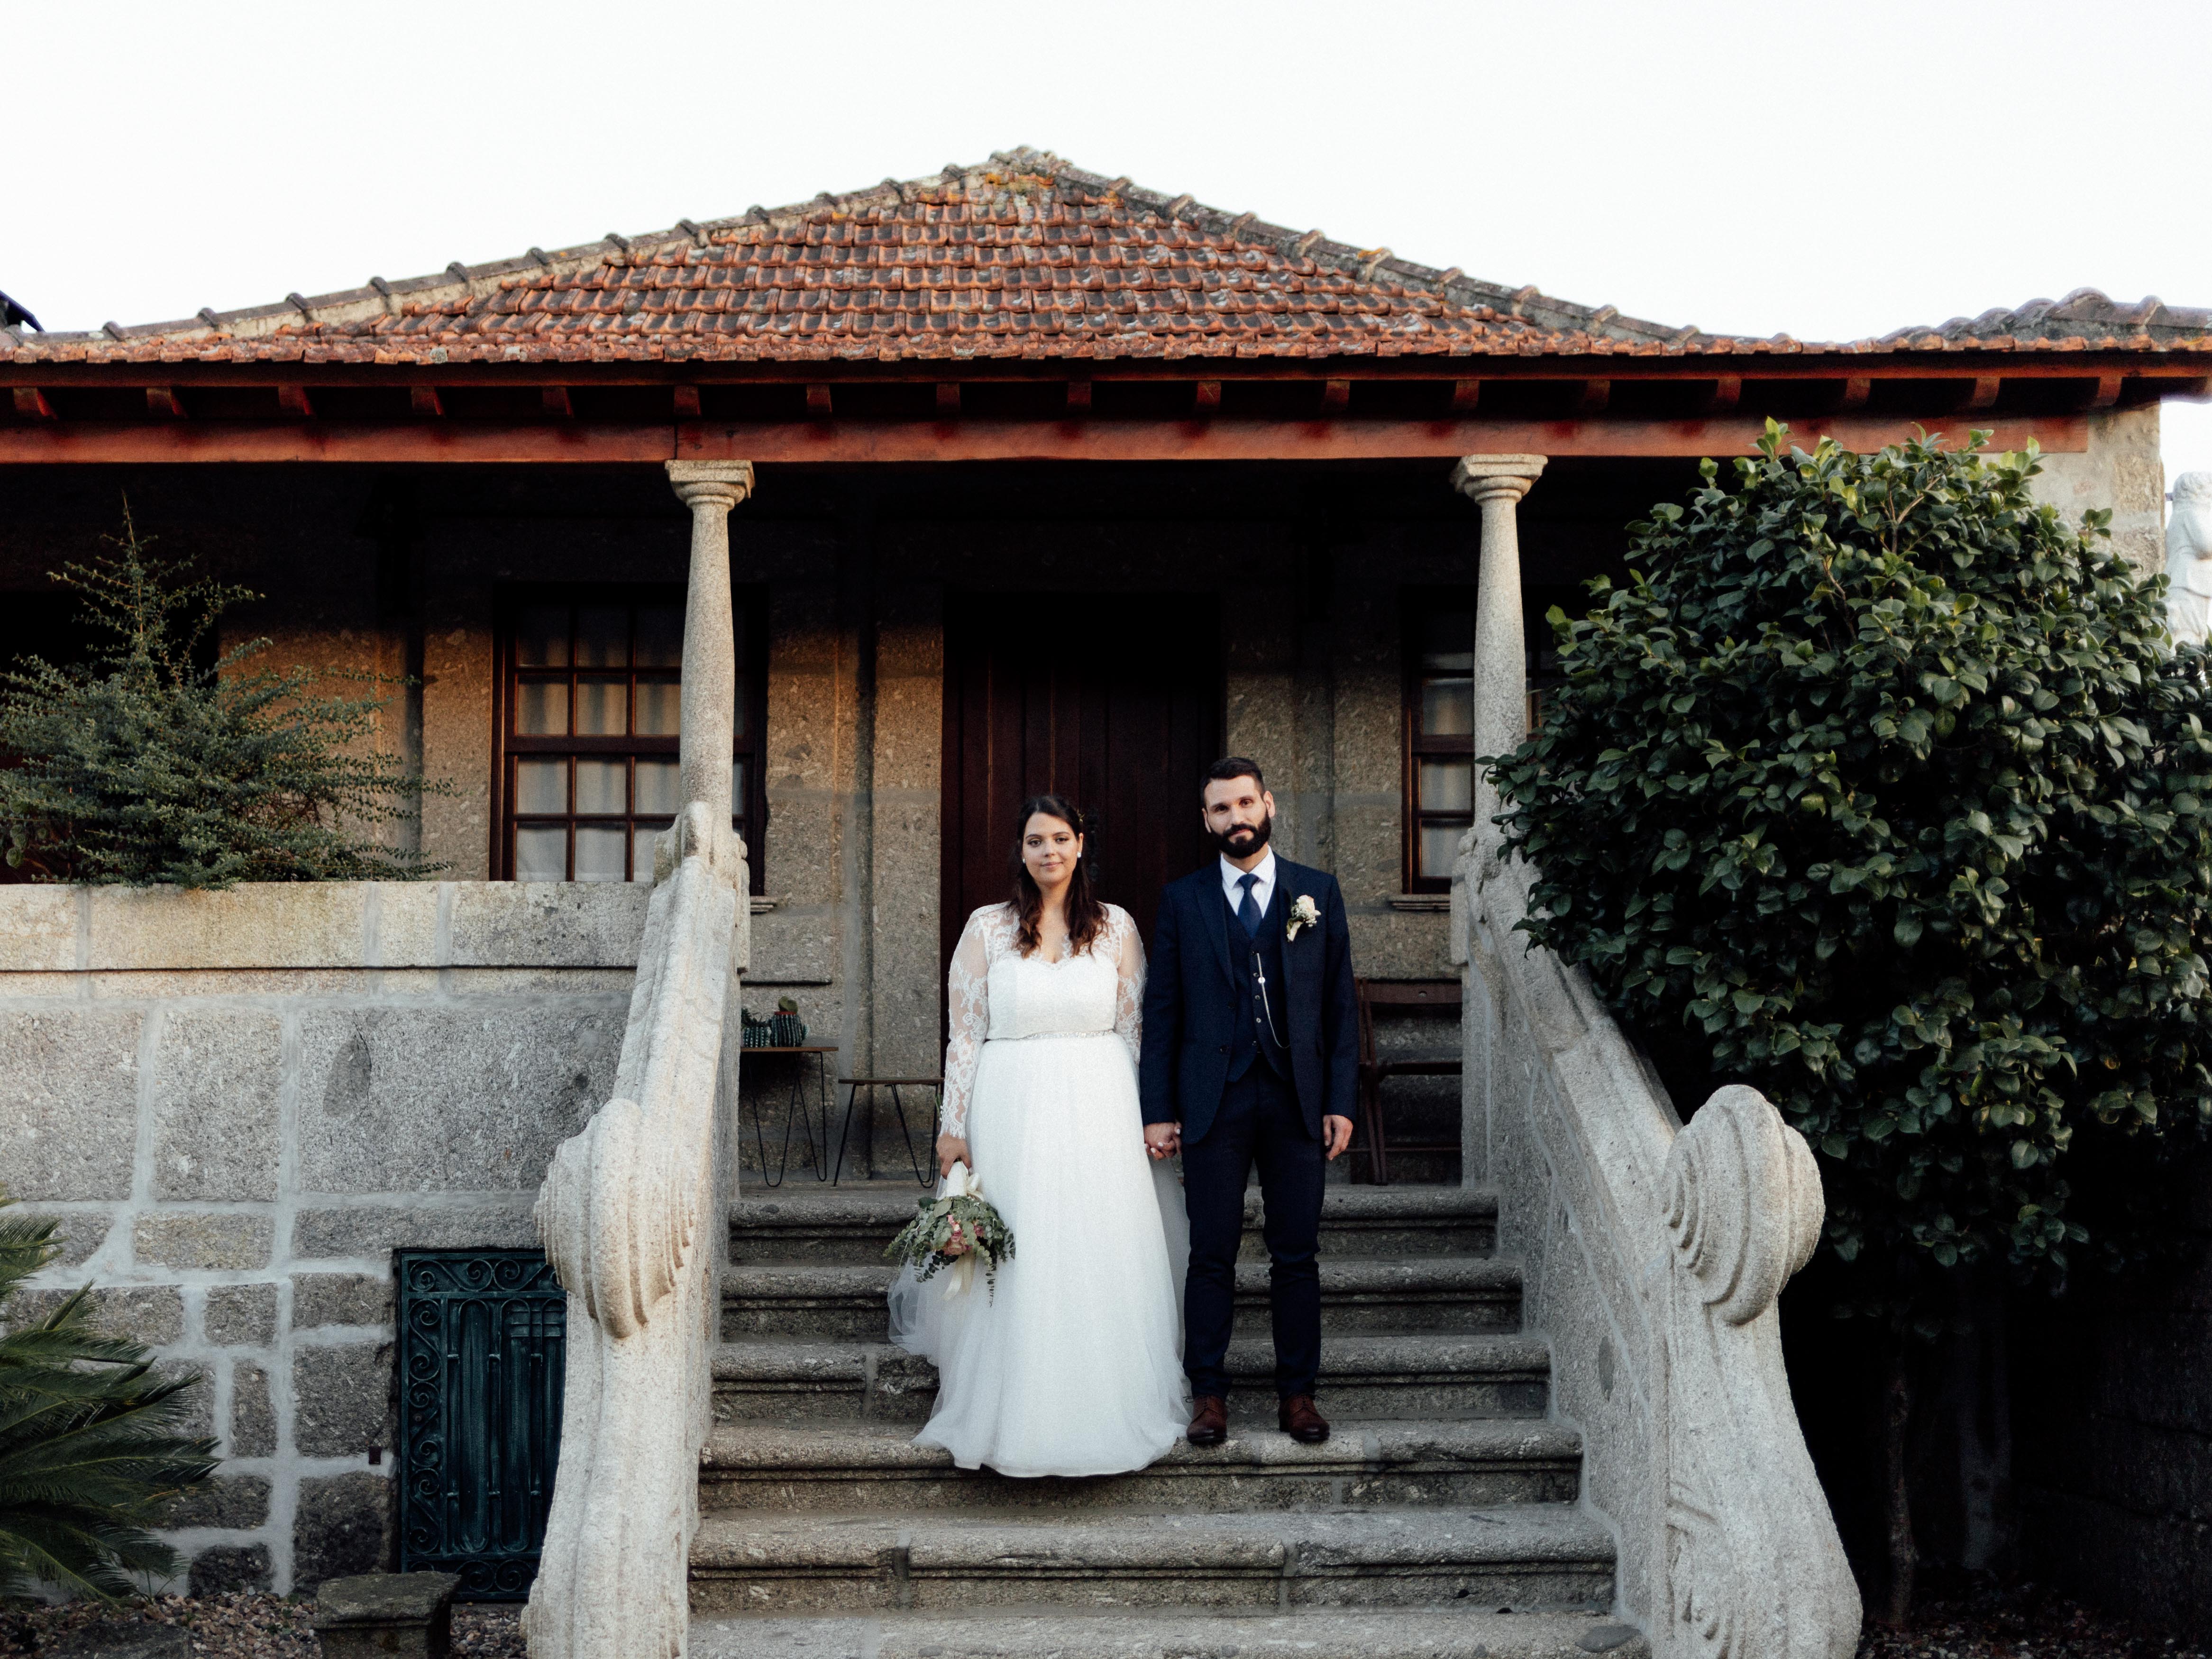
906	1134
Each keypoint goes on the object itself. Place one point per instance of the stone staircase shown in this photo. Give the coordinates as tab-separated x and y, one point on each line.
1440	1519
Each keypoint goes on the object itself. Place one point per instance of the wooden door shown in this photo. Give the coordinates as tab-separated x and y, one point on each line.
1115	702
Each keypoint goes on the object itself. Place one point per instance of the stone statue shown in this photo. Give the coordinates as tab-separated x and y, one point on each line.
2188	559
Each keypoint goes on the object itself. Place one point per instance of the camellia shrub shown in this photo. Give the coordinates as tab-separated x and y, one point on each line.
1879	787
150	764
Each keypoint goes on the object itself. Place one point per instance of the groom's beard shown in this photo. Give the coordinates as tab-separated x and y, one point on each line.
1243	840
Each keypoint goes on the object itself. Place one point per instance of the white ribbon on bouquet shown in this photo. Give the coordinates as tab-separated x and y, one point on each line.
960	1182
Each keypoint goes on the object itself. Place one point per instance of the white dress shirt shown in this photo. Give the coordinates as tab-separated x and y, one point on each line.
1232	880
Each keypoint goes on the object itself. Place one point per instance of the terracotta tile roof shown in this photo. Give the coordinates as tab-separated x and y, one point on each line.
1024	257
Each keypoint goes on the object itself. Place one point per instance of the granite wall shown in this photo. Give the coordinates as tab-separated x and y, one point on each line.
239	1104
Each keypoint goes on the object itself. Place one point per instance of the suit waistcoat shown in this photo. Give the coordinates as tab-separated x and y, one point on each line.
1255	1038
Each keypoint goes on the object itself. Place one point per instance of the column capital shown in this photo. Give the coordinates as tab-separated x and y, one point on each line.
1495	477
728	482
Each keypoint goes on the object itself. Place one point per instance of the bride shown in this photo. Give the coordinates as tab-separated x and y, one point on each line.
1074	1367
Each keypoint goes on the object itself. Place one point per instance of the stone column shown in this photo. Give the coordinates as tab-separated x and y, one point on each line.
710	490
1496	483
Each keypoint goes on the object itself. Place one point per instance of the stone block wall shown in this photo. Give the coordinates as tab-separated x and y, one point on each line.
240	1104
2111	1432
2119	472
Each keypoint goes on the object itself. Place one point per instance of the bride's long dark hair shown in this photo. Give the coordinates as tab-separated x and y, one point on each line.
1086	916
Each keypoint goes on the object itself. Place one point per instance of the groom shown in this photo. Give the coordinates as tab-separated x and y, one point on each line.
1251	1056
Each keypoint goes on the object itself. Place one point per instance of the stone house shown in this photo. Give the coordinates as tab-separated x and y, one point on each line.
1029	478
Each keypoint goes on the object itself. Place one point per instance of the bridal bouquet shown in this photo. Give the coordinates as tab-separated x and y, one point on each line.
951	1230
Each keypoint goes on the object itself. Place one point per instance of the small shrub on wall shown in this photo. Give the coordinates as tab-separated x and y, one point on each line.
148	764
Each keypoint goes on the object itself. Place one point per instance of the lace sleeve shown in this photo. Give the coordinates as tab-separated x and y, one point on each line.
968	1000
1129	986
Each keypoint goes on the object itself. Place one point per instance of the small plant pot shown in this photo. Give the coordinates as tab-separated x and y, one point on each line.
786	1030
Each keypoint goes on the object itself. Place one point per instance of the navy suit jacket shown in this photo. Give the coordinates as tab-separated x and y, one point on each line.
1194	997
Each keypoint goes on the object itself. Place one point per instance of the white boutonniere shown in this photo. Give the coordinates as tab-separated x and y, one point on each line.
1304	913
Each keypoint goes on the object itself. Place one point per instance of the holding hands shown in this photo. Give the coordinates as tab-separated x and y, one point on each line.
1163	1140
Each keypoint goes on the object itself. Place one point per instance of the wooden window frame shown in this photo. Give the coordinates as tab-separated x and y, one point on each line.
1415	605
750	606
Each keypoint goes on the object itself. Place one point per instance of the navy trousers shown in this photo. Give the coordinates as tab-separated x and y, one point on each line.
1259	1123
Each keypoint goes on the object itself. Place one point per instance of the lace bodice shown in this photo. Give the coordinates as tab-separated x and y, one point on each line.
995	992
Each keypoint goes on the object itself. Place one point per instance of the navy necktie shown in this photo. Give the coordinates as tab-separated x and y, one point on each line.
1248	911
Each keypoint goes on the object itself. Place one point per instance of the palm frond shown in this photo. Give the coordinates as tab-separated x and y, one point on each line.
89	1441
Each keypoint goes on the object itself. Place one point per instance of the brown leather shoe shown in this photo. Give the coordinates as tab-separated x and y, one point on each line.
1209	1426
1301	1421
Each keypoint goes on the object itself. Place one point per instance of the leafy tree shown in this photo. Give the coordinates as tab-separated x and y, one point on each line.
148	764
1880	788
88	1441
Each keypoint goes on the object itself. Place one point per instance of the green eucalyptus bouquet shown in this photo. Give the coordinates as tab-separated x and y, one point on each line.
954	1230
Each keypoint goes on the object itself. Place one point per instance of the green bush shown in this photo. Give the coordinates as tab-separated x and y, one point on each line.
1878	788
145	765
88	1446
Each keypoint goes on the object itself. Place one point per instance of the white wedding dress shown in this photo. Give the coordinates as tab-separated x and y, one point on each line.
1075	1366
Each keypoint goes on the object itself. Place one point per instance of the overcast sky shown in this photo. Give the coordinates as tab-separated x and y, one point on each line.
1831	171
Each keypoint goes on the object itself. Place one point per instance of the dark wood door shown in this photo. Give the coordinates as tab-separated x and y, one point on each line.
1114	701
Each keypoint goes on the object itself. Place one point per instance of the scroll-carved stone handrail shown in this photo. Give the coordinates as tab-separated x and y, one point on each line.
1653	1255
1754	1569
626	1211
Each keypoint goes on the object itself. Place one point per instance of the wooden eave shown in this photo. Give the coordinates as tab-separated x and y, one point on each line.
1355	408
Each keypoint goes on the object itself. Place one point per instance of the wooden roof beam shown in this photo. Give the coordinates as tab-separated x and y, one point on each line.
163	404
31	402
426	401
555	401
292	398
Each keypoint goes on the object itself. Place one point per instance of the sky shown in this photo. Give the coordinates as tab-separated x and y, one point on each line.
1832	170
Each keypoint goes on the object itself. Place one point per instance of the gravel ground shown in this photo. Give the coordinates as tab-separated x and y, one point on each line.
245	1626
2014	1622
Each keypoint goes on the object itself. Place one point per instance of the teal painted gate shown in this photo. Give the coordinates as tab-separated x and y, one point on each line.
482	1348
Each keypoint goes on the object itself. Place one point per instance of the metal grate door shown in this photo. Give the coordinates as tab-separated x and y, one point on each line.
482	1348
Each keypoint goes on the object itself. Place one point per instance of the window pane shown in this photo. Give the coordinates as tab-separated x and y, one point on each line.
1439	846
599	701
541	786
1448	641
599	786
599	852
541	854
541	637
660	785
660	637
737	789
641	857
1445	785
541	707
659	707
603	636
1447	708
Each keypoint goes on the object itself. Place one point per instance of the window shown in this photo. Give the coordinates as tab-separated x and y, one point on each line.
588	725
1439	722
1439	717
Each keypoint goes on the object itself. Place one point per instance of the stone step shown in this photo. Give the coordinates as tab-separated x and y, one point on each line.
852	1224
1370	1376
1521	1558
1459	1294
1454	1633
1480	1463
